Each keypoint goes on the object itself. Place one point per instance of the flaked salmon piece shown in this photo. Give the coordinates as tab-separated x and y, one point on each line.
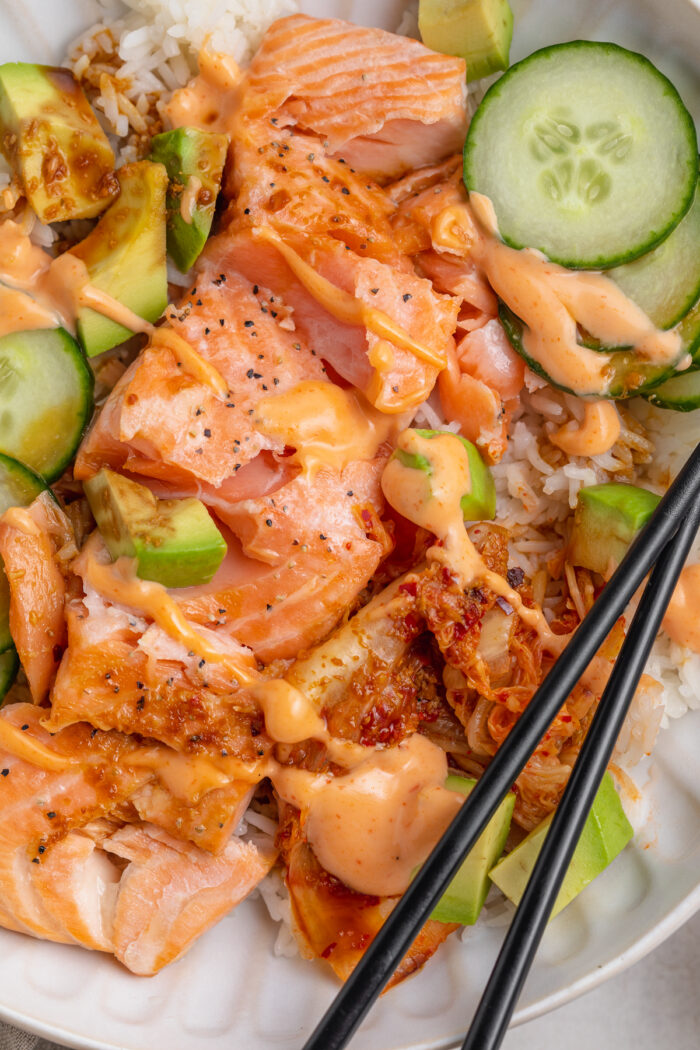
480	387
78	885
172	892
463	280
414	182
29	542
39	807
385	103
118	672
335	923
315	544
418	211
208	823
391	376
169	424
285	180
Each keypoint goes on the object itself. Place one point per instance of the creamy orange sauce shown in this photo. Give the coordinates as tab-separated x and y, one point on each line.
550	300
346	307
188	201
326	425
187	777
433	502
25	747
118	583
372	827
211	98
48	293
194	363
682	620
19	312
596	434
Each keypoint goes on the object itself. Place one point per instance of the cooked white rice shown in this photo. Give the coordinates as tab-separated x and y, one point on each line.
130	64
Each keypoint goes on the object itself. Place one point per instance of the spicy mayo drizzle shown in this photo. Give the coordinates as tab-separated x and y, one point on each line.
326	425
551	299
49	293
433	502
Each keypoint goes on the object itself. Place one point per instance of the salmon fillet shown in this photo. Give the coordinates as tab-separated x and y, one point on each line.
172	892
29	542
391	376
315	544
40	807
383	102
164	423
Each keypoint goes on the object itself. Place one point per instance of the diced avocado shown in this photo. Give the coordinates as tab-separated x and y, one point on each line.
607	519
605	834
194	161
125	256
480	503
174	541
51	137
464	898
479	31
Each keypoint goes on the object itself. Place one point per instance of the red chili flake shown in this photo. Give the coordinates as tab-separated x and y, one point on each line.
409	588
327	951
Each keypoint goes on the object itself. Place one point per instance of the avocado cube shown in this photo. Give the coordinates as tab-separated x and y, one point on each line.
194	161
605	834
51	138
607	519
125	256
464	898
479	504
174	541
479	31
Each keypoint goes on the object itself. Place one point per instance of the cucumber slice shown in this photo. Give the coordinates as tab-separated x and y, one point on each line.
629	375
45	398
19	486
690	332
681	393
666	281
9	666
586	152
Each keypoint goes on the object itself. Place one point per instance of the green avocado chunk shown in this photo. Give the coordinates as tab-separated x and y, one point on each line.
464	898
479	31
606	520
51	138
605	834
174	541
480	503
194	161
125	256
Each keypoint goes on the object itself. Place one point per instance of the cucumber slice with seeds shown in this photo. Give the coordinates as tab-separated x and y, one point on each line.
45	398
629	375
19	486
9	666
586	152
666	281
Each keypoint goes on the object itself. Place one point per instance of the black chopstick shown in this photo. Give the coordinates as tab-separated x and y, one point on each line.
401	928
522	940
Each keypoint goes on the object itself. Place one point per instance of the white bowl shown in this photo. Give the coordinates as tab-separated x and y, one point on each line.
230	991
